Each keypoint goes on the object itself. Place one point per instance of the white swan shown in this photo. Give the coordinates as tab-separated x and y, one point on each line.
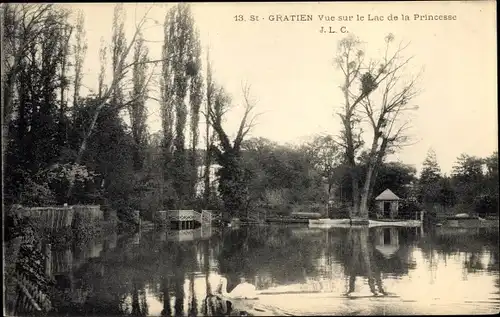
244	290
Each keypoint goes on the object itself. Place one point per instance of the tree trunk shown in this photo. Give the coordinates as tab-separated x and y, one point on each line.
206	192
194	171
365	194
380	157
363	208
63	130
63	135
350	155
167	309
354	211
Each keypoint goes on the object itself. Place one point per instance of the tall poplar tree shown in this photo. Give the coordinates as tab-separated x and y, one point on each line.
181	80
137	104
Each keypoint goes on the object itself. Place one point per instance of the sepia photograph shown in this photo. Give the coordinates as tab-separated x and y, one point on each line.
250	159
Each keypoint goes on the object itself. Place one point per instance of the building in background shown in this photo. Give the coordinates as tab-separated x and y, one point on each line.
214	180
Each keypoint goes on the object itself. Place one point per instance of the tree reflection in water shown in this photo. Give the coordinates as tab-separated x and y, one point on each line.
179	275
361	263
139	303
252	251
193	305
473	243
167	310
371	253
218	307
166	277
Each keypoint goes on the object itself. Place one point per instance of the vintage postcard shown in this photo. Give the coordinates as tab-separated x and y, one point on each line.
267	159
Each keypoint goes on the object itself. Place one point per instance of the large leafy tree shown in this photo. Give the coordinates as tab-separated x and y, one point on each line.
469	178
281	174
492	173
326	157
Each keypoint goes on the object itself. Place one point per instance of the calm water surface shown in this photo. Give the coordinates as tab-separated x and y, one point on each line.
299	270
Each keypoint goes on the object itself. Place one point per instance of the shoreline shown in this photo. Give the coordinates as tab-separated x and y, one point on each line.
347	223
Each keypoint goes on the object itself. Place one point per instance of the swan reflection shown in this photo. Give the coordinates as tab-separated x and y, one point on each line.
244	290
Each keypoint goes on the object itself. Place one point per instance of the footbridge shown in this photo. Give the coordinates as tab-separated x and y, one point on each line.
187	219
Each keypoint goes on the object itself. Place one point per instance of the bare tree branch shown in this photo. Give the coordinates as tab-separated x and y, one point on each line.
382	97
245	127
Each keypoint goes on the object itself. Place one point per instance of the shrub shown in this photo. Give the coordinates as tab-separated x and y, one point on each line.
84	225
37	193
340	211
408	208
485	205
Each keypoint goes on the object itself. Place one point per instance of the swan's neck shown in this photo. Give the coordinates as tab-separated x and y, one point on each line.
224	287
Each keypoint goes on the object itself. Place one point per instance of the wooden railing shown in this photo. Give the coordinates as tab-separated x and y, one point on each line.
182	215
205	216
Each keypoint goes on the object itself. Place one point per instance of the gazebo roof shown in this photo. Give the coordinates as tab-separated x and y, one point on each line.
387	195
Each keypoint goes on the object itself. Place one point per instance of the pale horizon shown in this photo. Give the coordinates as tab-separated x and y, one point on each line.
289	66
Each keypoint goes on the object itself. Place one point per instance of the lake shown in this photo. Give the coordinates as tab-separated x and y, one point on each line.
297	270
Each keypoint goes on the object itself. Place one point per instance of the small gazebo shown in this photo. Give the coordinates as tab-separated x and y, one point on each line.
387	203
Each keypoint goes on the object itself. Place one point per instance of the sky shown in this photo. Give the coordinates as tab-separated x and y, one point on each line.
295	84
